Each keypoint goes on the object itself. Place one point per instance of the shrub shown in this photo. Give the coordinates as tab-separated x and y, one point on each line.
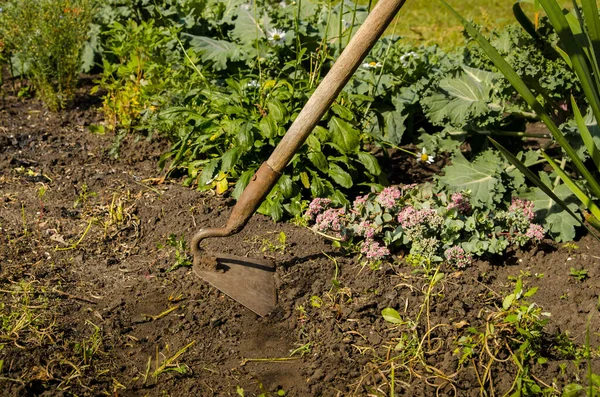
48	37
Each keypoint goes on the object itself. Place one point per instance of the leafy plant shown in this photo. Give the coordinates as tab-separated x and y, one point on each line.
578	33
48	37
451	227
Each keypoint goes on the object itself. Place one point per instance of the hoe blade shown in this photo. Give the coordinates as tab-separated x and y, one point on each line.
250	282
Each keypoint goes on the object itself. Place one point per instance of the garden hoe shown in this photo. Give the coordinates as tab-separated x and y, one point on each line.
251	282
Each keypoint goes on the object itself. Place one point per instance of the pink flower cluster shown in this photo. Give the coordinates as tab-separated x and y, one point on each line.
456	256
388	197
360	202
410	217
374	250
460	201
316	206
332	220
535	231
366	229
523	206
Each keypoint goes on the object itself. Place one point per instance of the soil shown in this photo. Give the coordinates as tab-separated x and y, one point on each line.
84	236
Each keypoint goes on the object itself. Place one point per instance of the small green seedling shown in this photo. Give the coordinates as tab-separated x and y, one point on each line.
580	275
182	259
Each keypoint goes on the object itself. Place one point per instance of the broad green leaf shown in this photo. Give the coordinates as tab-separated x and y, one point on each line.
249	28
394	126
461	98
305	180
370	163
344	135
507	302
242	182
586	136
319	160
586	200
277	110
481	177
555	218
208	173
230	158
342	111
268	127
340	176
391	316
316	186
286	185
217	52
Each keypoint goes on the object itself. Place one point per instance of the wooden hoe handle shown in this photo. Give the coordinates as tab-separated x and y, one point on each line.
320	101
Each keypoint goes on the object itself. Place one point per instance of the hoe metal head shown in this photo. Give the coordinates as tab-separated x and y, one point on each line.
250	282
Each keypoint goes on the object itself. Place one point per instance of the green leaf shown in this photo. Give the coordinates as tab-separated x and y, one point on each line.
217	52
340	176
316	187
461	98
394	126
586	200
277	110
342	111
507	302
286	185
249	28
230	158
208	173
572	390
319	160
481	177
242	182
391	316
370	163
554	218
268	127
344	135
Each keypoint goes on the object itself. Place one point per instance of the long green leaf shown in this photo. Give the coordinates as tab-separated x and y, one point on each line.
575	51
588	140
590	11
526	93
580	194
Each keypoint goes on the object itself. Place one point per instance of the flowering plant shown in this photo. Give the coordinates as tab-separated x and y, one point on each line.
432	227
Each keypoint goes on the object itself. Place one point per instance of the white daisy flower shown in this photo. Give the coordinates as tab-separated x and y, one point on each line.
276	36
372	65
425	158
253	84
406	57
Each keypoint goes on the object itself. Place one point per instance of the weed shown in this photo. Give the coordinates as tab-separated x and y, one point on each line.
170	364
49	37
182	258
579	274
84	196
280	246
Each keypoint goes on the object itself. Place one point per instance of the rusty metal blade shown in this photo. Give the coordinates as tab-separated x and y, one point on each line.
248	281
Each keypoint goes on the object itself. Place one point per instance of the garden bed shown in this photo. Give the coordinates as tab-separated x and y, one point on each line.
97	296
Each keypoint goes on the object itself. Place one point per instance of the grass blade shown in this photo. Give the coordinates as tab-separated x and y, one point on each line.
588	140
573	187
576	53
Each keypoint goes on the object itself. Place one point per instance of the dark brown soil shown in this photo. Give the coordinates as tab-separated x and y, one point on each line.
108	289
